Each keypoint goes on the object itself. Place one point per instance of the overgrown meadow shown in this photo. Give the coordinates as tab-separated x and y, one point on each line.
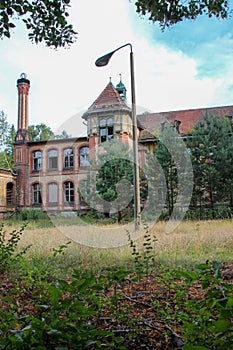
161	291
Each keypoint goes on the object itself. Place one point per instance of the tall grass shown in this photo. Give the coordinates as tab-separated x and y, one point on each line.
190	244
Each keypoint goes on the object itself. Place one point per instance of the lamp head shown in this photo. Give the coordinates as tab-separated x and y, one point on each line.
103	61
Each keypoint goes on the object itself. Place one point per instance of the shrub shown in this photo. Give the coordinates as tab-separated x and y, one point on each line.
31	214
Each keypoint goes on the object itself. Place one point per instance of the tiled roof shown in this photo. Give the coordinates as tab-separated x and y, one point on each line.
188	118
108	99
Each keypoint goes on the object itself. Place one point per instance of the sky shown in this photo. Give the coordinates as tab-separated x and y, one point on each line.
187	66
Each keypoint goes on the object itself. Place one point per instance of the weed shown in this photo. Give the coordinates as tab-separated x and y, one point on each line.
143	261
8	246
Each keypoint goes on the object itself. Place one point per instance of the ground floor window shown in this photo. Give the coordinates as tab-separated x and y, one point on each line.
36	194
69	192
53	193
10	194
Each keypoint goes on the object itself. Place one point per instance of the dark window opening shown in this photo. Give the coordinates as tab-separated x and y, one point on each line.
68	158
10	194
106	130
36	194
37	161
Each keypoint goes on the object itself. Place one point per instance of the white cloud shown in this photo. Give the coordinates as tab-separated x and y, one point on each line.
65	82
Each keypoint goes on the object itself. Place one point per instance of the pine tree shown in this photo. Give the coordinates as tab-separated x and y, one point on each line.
211	149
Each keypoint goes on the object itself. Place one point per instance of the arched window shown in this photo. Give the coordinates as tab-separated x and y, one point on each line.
53	193
37	161
52	165
84	157
36	194
10	194
68	158
69	192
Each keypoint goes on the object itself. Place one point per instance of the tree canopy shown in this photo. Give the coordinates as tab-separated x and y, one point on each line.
46	20
40	132
169	12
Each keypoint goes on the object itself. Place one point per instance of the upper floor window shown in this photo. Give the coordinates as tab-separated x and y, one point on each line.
52	159
37	161
36	194
84	156
68	158
106	129
69	192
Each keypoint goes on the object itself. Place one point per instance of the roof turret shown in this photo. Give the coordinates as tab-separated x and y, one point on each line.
109	99
121	89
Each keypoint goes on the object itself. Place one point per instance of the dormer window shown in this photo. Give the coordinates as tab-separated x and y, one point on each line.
106	129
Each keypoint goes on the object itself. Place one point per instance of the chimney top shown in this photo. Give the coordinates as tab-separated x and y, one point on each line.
23	79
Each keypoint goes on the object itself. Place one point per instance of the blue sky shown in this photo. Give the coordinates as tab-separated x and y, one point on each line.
187	66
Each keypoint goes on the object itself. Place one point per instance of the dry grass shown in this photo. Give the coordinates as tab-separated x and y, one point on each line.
189	244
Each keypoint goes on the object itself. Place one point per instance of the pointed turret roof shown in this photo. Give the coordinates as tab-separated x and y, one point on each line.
109	99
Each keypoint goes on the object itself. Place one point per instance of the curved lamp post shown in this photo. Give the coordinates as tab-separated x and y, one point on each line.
103	61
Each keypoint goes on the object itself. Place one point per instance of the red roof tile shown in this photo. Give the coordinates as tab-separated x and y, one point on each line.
108	98
188	118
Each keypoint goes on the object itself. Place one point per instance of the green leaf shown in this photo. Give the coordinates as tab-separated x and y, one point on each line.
195	347
220	326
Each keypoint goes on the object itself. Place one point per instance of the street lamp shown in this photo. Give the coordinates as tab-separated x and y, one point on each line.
103	61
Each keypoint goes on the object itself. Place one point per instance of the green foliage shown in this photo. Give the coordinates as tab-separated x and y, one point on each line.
8	245
4	126
168	13
45	20
60	250
63	135
169	167
207	321
31	214
202	213
114	177
212	159
40	132
7	136
87	311
143	262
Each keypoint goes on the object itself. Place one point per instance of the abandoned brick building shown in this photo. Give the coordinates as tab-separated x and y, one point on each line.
47	174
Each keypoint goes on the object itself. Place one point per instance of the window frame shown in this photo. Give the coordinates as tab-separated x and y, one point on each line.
68	159
87	158
53	203
106	129
36	194
10	194
68	188
37	161
52	159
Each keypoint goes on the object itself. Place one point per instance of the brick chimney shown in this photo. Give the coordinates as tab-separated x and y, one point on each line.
23	85
21	148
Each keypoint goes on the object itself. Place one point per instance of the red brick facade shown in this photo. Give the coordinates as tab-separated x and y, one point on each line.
49	173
